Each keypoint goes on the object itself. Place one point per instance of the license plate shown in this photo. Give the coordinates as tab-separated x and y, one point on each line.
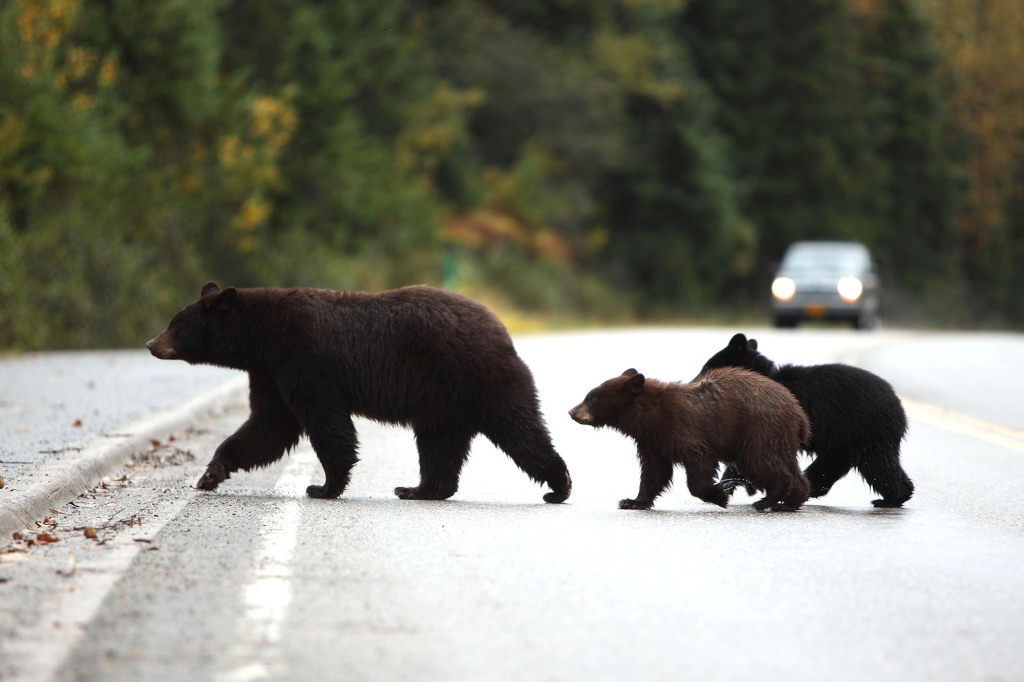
815	310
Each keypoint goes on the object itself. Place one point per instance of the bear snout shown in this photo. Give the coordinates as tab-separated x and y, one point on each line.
581	414
161	348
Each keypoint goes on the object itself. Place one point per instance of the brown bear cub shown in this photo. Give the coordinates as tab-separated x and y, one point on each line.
729	415
421	357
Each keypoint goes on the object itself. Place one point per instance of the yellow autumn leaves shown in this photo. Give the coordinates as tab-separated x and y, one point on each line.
250	164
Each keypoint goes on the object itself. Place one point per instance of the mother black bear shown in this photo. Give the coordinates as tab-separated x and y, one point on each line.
417	356
857	421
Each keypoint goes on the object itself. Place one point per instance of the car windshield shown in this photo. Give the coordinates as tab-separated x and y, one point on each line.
830	258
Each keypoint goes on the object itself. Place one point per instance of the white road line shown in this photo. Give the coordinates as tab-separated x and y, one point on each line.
996	434
42	648
268	593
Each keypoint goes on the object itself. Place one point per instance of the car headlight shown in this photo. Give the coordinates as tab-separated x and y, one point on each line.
850	289
783	288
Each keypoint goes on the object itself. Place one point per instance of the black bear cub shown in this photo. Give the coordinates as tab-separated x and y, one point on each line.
728	415
857	421
417	356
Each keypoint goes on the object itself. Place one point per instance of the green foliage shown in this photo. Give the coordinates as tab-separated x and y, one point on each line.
567	158
795	103
901	66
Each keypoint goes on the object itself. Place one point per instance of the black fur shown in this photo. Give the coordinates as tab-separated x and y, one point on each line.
857	421
420	357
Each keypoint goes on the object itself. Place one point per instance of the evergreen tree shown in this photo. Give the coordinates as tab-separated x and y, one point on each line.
902	71
795	106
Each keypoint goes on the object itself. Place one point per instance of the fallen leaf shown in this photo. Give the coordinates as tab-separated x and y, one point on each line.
77	424
90	532
46	537
1	481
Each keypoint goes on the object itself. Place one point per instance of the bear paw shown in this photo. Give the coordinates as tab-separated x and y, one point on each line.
320	492
561	492
421	493
887	504
214	475
405	493
634	504
766	504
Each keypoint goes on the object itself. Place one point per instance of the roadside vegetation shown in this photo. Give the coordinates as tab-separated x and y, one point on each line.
563	160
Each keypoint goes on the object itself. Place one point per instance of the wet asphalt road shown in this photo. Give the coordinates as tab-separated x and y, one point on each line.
257	582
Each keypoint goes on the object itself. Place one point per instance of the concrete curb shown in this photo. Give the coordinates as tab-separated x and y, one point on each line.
60	480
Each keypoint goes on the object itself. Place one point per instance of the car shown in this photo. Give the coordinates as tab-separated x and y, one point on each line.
826	280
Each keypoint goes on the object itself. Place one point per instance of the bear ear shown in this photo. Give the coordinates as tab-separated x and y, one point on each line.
629	372
752	344
227	298
221	301
209	288
738	342
635	384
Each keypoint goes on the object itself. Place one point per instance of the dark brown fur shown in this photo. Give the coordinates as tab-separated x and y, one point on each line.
728	415
420	357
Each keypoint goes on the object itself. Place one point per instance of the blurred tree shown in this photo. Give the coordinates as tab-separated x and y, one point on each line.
360	80
634	177
673	209
55	107
797	110
73	270
908	124
545	127
982	40
587	155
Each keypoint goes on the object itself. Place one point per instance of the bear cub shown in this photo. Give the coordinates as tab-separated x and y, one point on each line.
728	415
421	357
857	421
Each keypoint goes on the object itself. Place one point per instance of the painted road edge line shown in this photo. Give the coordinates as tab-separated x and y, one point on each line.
997	434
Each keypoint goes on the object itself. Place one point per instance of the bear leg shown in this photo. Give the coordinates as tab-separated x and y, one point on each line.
700	481
523	436
270	431
776	487
443	449
655	477
828	467
797	492
784	491
882	471
335	443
